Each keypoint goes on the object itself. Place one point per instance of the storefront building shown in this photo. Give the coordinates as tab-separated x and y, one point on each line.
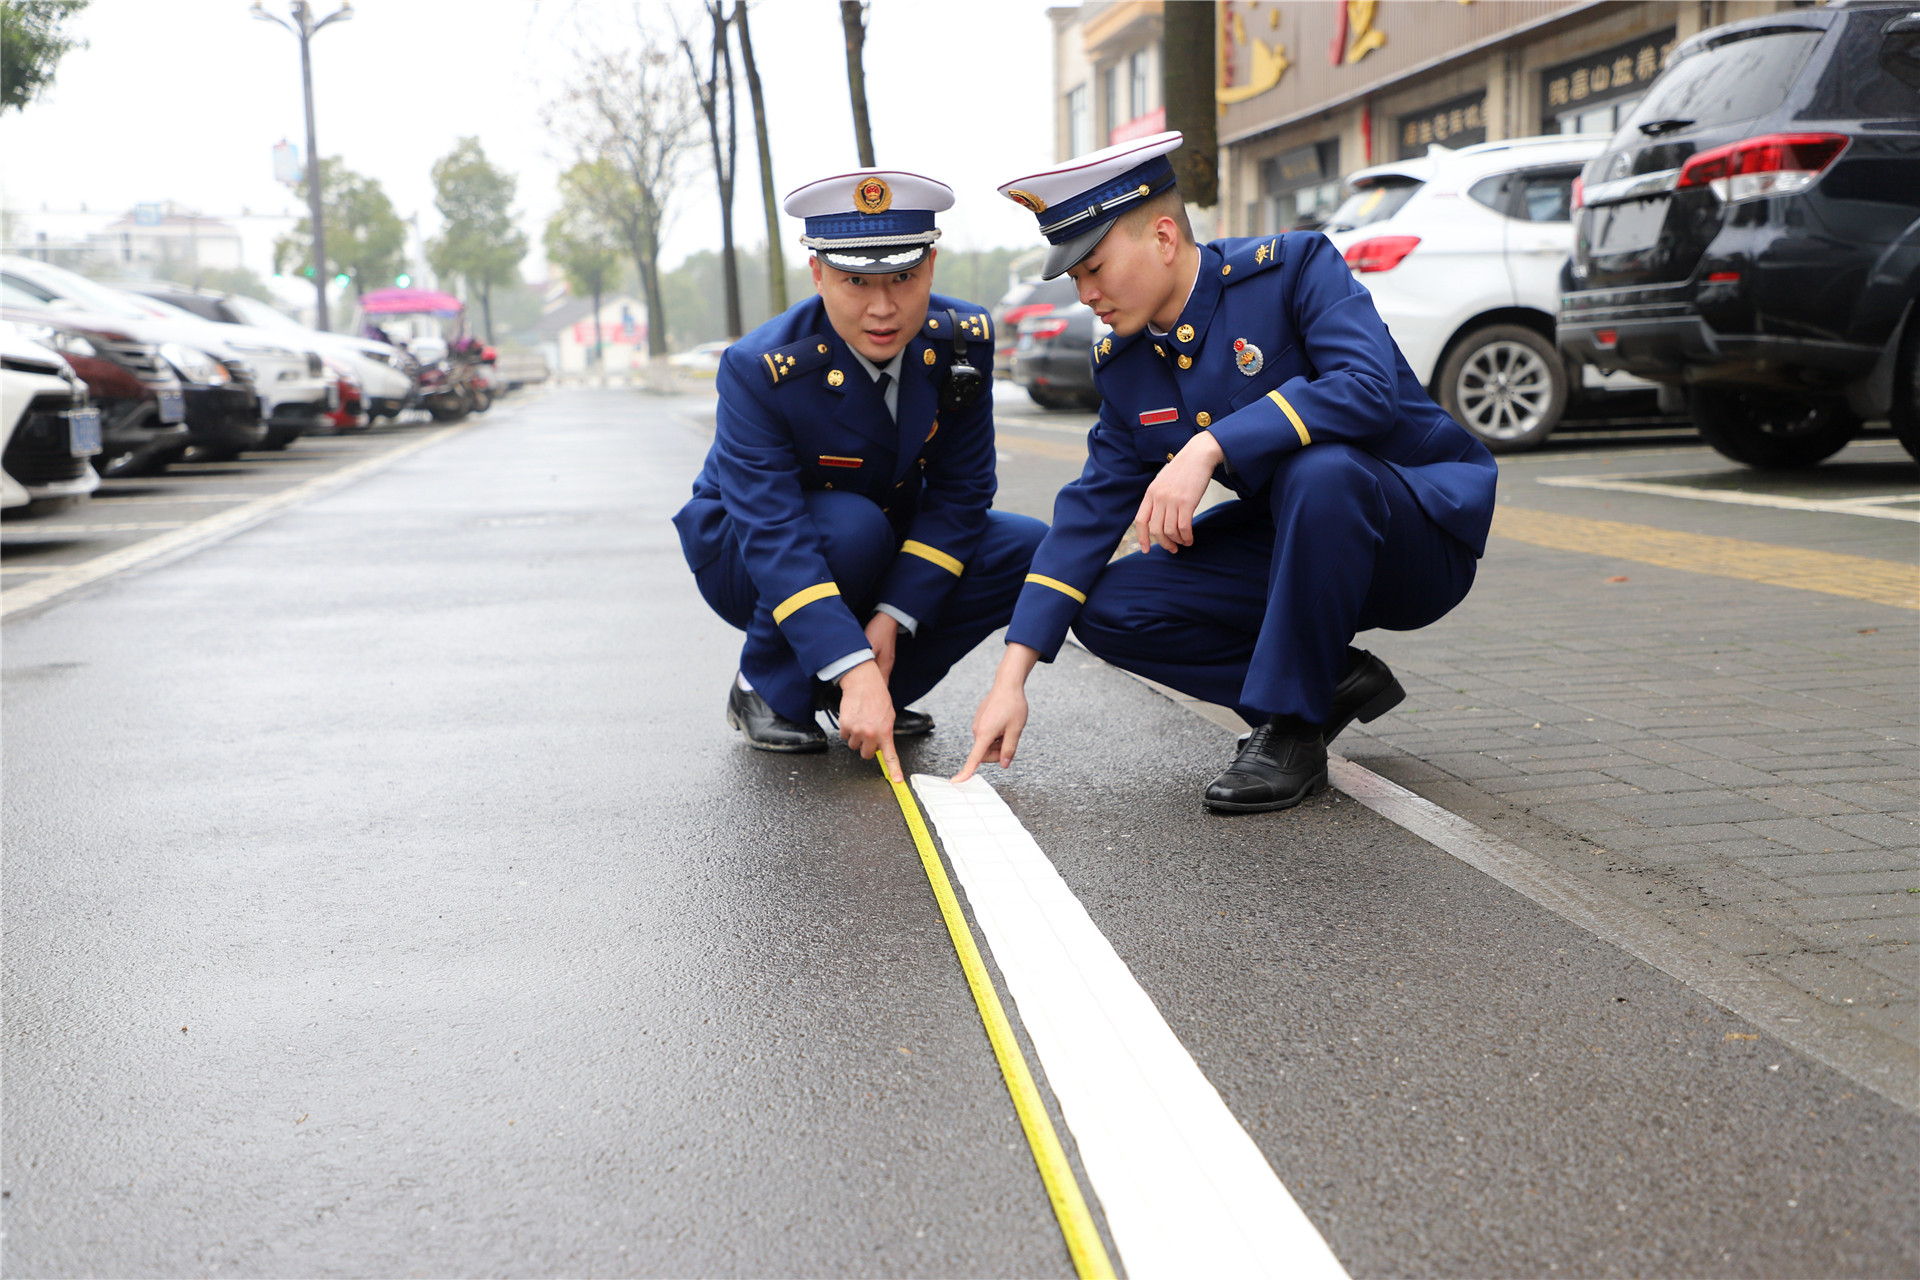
1308	92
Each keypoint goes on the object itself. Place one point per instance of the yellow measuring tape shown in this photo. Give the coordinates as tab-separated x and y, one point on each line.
1063	1189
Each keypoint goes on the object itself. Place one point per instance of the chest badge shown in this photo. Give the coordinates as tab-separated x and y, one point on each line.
1159	417
1247	357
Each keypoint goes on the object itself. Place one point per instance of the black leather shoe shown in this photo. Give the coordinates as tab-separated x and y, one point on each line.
765	728
911	724
1274	770
1367	692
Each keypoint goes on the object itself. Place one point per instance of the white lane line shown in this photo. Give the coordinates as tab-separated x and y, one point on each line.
1873	507
1184	1189
222	524
1868	1057
124	526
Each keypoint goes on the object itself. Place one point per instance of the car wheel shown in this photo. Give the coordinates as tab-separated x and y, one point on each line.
278	439
1506	384
1771	430
1906	391
1047	399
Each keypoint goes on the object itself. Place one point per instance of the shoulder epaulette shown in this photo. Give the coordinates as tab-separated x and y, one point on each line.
975	326
782	363
1249	258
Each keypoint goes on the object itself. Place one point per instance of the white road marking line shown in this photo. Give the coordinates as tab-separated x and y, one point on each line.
1185	1190
111	498
1872	507
1868	1057
222	524
125	526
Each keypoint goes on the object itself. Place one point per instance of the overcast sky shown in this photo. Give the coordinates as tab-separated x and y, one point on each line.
184	100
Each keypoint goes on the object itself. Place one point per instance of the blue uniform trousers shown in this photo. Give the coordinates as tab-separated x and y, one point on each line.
1257	614
859	544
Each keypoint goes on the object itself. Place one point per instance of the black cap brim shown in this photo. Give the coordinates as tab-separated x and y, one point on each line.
875	261
1063	257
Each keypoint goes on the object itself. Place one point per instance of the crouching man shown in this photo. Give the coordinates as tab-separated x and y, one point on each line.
1263	364
842	519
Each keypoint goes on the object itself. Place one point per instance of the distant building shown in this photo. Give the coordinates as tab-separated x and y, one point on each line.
566	337
1308	91
165	235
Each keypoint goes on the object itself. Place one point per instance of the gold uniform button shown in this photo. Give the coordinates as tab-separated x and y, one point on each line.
1184	333
1186	362
829	484
1203	418
1226	268
1159	351
926	357
835	377
1169	457
823	348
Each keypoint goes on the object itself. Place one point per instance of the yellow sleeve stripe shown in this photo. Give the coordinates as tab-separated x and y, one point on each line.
1292	417
801	599
1057	585
937	556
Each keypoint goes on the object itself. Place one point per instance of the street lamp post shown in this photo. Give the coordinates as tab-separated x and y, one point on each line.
304	27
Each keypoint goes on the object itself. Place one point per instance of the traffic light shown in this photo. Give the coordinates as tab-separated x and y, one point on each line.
342	280
403	280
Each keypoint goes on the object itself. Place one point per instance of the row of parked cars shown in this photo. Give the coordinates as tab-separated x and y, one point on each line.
147	372
1744	249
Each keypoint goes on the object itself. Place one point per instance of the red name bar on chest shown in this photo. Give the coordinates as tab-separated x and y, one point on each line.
1159	416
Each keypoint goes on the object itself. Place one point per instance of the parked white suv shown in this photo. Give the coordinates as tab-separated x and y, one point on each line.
1462	251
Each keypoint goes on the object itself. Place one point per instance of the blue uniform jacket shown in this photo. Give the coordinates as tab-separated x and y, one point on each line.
1326	370
798	413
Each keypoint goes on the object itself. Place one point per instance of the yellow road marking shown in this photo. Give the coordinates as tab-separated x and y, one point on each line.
1063	1189
1886	582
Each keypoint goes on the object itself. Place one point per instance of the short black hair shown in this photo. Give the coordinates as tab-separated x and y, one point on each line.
1168	204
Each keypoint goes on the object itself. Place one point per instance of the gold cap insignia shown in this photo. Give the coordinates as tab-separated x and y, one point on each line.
835	377
926	357
1026	199
1184	333
873	196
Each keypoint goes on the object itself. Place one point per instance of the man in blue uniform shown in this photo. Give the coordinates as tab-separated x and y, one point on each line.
1260	363
842	519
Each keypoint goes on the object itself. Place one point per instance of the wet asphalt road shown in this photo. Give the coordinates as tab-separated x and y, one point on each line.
384	894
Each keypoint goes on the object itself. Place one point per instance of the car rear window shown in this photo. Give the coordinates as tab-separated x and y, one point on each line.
1375	202
1728	83
1854	84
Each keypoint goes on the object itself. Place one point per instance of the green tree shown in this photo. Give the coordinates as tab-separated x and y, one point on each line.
481	245
586	249
32	43
365	238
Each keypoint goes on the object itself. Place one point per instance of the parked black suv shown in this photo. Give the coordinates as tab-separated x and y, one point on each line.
1752	233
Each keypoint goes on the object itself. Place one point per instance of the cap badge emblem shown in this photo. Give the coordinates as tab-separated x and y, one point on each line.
1247	357
873	196
1184	333
1032	202
835	377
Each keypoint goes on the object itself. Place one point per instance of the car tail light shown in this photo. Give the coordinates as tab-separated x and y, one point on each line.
1606	337
1045	328
1381	253
1579	193
1773	165
1011	321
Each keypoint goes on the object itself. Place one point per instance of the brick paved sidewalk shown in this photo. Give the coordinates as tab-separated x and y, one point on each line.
1742	759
